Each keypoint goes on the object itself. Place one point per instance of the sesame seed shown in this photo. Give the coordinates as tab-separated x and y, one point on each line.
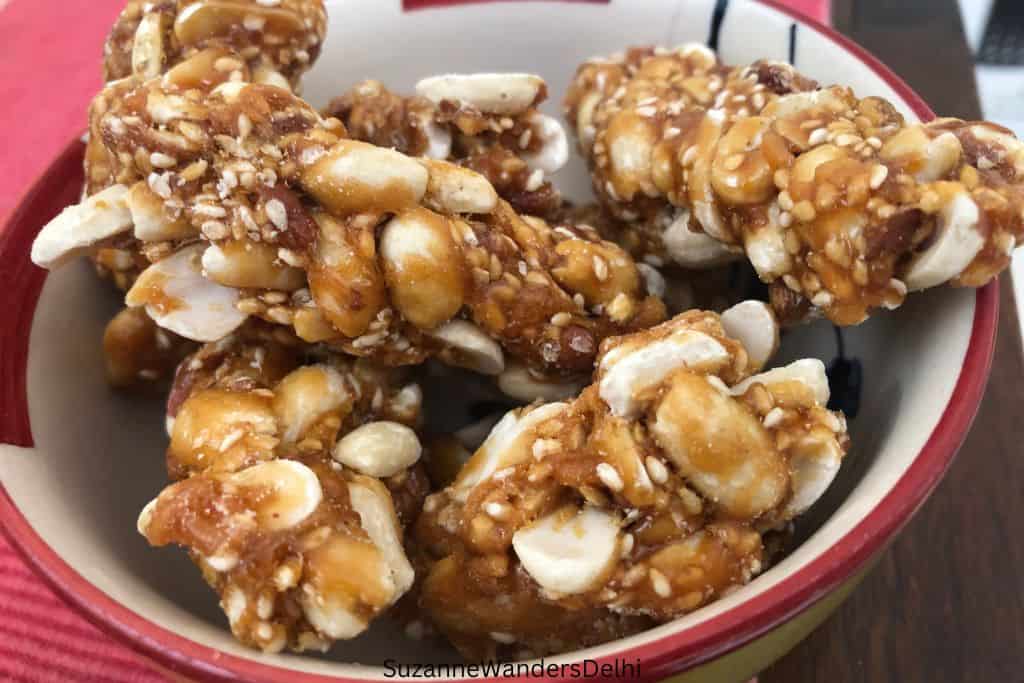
277	213
496	510
210	210
656	470
535	180
160	183
717	383
600	268
627	545
817	136
878	175
561	319
660	584
252	22
609	476
774	417
822	299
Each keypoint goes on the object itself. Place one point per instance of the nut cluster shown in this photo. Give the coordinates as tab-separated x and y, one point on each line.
278	40
644	498
835	200
296	470
458	119
249	203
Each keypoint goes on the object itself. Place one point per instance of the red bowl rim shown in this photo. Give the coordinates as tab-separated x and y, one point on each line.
670	654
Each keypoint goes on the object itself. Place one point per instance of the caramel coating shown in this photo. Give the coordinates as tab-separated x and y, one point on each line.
137	353
280	40
199	43
279	528
831	196
641	500
394	249
491	144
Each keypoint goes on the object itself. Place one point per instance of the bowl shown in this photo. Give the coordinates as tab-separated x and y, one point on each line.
78	461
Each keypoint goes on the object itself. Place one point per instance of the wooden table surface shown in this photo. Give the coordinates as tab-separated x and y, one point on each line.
946	602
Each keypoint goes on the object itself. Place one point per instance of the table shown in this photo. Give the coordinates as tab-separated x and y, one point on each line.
946	602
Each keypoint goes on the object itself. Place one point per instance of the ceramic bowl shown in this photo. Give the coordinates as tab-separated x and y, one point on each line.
79	460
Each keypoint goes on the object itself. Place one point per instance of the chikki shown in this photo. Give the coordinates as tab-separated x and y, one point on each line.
486	122
837	202
296	471
250	204
644	498
268	42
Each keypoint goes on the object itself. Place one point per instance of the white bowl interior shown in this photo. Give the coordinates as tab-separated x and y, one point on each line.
99	455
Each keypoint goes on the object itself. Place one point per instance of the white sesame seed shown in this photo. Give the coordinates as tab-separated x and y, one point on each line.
561	319
542	447
656	470
496	510
252	22
506	638
600	268
717	383
822	299
774	417
535	180
609	476
817	136
627	545
878	175
160	183
210	210
660	584
277	213
161	160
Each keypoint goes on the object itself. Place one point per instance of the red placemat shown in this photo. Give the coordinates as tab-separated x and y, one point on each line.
49	72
